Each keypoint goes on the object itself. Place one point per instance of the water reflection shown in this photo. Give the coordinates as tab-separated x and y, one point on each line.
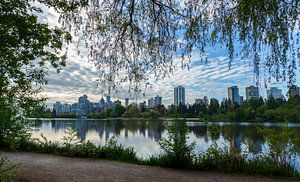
144	135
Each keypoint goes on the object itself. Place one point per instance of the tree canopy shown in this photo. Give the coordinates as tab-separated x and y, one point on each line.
130	39
27	49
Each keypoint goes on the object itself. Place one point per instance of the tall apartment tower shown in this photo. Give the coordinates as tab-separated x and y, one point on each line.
233	94
157	100
126	102
179	95
252	92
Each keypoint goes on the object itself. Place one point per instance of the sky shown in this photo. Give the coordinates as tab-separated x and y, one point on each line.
209	79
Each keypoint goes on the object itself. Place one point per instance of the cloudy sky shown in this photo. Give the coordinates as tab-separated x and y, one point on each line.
203	79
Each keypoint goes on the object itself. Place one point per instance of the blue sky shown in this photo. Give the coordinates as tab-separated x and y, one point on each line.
203	79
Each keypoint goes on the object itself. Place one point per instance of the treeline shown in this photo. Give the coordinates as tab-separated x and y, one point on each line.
270	109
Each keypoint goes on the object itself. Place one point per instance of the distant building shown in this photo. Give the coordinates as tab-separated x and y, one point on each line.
233	94
62	108
275	92
126	102
108	104
294	91
102	104
83	104
252	92
143	105
157	101
66	108
241	100
58	108
151	103
179	95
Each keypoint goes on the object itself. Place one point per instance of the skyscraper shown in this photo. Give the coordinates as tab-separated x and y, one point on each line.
252	92
83	103
179	95
157	101
233	94
126	102
275	92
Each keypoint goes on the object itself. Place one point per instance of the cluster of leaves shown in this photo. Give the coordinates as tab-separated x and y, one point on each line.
72	146
6	170
130	40
259	110
270	109
27	49
177	151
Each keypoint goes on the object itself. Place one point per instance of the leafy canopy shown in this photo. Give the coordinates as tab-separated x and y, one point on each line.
130	39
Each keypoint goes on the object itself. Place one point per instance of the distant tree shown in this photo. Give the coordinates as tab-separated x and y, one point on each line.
213	107
132	111
119	110
151	113
182	109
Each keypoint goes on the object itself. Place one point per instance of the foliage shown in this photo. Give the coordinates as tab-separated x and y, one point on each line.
119	110
177	152
139	36
131	112
6	170
151	113
70	138
28	49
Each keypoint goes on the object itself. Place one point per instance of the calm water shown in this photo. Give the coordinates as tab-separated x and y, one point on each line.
144	135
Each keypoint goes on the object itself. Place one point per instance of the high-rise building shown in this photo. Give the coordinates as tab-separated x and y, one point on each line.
157	101
233	94
241	100
108	102
275	92
179	95
83	104
126	102
102	104
151	103
58	107
252	92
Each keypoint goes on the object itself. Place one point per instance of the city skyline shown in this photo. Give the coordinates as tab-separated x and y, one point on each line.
233	95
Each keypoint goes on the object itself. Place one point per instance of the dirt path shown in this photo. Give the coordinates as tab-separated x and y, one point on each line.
41	167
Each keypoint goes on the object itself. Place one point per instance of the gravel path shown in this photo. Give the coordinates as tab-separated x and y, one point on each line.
49	168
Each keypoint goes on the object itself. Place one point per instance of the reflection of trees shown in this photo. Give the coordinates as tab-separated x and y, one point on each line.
234	134
199	131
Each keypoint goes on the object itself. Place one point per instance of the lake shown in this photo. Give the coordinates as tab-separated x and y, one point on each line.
144	135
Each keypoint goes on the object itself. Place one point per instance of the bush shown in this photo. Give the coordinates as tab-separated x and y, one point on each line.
177	152
6	170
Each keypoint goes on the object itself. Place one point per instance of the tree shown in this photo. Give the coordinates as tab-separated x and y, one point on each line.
131	112
213	107
27	49
143	36
151	113
119	110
